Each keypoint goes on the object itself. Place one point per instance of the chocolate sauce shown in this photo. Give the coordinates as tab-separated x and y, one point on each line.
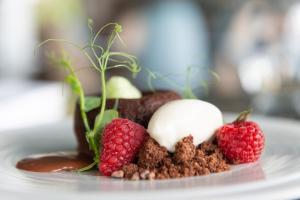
54	162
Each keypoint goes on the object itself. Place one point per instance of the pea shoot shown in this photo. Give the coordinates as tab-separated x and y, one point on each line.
100	59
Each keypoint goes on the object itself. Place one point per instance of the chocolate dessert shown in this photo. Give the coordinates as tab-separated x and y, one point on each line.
137	110
124	133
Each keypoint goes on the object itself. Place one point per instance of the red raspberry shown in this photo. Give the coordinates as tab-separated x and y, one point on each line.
121	141
241	141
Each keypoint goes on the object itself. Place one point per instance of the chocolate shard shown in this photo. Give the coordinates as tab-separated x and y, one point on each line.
137	110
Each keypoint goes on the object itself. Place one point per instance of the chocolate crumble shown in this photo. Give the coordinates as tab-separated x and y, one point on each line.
184	150
154	162
129	170
151	154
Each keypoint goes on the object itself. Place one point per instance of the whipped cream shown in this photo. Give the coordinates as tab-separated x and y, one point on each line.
180	118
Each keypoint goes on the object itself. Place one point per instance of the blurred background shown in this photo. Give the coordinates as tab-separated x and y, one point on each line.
253	46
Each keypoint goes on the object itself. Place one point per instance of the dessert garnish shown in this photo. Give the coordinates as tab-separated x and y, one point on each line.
241	141
134	135
100	59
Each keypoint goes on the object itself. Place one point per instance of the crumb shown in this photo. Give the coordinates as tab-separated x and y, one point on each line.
151	154
162	173
144	174
135	176
208	147
184	150
167	161
174	171
129	170
118	174
151	176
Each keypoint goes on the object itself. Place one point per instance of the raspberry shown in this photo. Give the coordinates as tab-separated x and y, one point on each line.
241	141
121	141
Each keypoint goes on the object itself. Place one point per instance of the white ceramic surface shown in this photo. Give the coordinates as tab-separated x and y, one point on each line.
276	176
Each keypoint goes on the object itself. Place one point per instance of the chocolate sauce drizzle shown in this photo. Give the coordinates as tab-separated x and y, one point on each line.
54	162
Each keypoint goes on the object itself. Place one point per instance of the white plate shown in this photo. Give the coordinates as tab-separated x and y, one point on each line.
275	176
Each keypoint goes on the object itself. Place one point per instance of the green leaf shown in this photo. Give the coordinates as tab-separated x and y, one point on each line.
94	136
91	103
108	116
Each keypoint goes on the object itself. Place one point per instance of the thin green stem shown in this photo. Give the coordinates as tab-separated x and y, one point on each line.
126	55
122	65
56	40
83	113
119	61
121	40
90	46
93	133
243	116
103	84
90	166
104	27
81	49
111	41
82	101
80	92
91	60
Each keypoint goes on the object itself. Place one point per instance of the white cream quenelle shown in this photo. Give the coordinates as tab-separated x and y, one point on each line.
180	118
